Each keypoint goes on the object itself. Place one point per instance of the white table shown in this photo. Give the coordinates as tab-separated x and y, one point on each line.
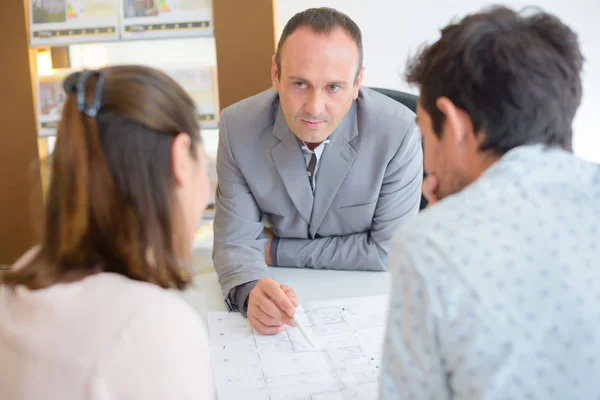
309	284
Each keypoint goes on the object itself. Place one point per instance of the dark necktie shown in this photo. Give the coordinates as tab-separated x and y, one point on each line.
310	170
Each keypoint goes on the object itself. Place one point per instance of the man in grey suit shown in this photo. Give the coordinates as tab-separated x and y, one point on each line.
316	172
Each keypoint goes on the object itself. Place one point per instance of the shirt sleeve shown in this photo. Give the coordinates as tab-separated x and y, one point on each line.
238	297
412	362
162	354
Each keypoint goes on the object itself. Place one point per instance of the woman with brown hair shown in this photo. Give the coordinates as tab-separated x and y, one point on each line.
86	314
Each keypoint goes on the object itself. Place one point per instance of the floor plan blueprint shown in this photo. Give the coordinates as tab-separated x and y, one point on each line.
345	364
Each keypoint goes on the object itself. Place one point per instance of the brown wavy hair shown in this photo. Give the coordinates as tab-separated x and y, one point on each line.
109	205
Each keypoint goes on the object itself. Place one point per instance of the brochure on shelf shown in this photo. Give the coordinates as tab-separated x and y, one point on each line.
62	22
143	19
50	99
200	83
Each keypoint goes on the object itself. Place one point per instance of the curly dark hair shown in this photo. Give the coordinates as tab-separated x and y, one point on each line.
517	75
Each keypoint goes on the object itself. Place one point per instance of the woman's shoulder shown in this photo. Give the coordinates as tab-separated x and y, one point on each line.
162	349
113	296
134	297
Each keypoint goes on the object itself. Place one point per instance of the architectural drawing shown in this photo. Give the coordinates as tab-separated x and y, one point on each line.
344	366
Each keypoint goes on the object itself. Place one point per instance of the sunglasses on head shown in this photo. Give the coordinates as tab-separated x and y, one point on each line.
77	82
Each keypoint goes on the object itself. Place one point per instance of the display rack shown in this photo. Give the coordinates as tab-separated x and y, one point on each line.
97	33
65	23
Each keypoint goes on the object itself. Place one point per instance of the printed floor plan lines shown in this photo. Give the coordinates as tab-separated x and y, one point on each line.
344	365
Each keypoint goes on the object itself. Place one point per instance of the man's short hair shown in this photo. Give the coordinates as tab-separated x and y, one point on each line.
517	75
321	20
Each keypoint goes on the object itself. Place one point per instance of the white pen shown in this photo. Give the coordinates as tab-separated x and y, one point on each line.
303	330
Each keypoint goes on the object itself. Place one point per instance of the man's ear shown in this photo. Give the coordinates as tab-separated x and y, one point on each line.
458	122
358	82
274	73
180	155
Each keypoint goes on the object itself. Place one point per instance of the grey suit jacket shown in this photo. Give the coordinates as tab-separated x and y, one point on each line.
368	182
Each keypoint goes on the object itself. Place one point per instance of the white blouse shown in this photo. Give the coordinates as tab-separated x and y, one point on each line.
105	337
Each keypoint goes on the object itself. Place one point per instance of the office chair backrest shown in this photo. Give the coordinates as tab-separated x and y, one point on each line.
410	101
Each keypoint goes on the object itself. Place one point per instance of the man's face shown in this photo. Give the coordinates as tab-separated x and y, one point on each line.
443	158
317	83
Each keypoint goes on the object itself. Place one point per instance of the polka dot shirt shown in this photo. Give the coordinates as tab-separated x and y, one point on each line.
496	290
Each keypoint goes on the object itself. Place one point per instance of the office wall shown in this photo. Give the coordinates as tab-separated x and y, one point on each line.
394	29
245	41
21	201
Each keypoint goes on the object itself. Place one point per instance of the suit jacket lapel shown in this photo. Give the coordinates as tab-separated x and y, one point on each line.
334	165
291	166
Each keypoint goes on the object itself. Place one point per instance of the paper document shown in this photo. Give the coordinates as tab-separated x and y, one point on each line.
345	364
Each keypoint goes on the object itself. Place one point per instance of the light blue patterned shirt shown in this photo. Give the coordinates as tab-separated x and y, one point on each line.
496	290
